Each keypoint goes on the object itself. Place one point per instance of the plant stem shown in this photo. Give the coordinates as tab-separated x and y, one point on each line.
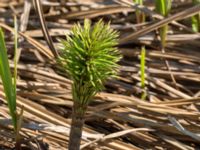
140	16
76	126
18	145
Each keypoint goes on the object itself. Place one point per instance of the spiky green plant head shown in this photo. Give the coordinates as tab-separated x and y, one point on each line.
90	56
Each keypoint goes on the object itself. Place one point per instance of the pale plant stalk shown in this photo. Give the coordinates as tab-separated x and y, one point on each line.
17	129
19	117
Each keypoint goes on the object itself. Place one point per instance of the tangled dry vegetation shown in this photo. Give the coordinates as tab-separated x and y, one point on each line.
117	119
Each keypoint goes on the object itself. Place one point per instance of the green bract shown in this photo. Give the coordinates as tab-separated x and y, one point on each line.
89	56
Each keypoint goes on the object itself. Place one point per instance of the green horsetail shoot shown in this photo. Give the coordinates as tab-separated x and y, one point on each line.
90	57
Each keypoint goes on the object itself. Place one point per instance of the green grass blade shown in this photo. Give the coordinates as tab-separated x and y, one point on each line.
142	67
163	7
142	70
196	19
6	77
196	23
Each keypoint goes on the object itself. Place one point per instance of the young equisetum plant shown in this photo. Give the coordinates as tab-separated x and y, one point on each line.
90	57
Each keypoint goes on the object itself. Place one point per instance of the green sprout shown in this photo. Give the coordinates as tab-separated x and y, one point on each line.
140	17
90	57
196	19
142	71
163	7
